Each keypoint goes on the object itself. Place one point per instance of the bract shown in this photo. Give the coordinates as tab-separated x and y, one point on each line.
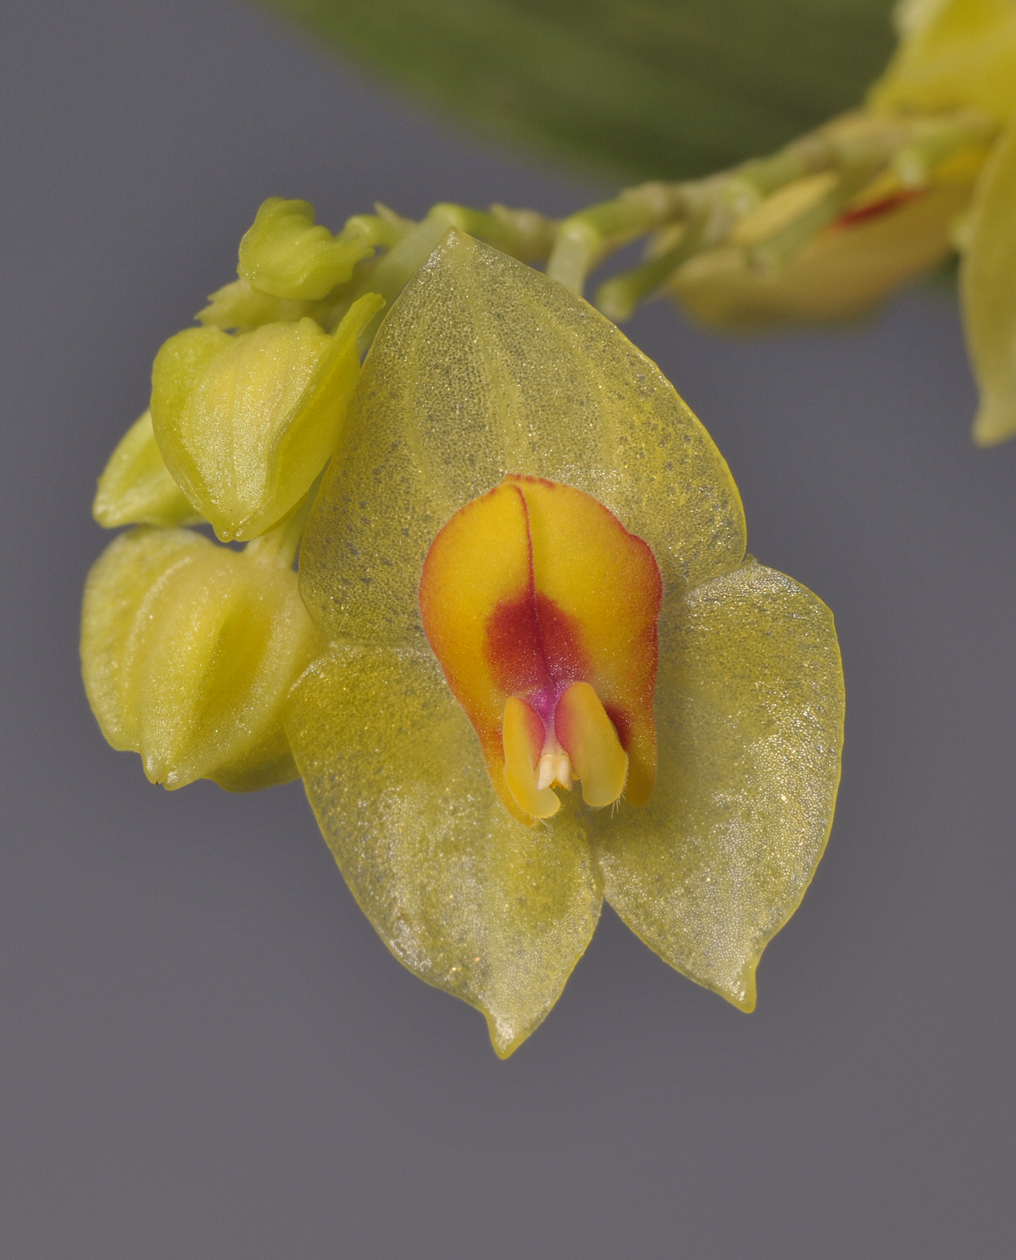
486	369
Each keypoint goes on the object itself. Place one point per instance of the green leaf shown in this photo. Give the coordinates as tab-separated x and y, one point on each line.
650	89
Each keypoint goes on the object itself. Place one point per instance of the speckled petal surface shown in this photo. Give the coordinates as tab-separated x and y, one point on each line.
749	725
468	898
484	367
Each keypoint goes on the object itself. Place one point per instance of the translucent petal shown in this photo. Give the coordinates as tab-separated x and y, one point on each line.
988	287
188	650
960	53
485	367
246	423
749	724
285	254
469	899
523	738
136	487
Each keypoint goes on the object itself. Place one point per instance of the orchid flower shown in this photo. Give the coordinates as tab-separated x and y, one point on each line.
526	665
529	560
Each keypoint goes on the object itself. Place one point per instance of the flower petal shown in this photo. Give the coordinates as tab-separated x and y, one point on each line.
485	367
988	287
523	734
590	739
533	586
749	721
469	899
479	563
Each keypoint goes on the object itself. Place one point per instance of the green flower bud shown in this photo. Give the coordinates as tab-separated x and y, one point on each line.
285	254
189	651
246	423
136	487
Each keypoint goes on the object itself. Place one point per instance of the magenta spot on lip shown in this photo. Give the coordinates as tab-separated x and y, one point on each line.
544	701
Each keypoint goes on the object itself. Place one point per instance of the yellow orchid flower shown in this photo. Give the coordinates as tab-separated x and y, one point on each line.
525	570
529	560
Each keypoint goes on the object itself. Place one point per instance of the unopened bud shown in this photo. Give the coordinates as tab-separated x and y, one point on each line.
286	254
189	651
246	423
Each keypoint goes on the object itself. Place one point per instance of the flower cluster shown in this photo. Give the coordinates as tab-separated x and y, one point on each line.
522	567
522	560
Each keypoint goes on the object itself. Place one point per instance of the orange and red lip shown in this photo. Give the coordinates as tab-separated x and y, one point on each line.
541	608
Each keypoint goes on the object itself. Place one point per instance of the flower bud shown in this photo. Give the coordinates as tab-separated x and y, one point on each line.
285	254
189	651
136	487
246	423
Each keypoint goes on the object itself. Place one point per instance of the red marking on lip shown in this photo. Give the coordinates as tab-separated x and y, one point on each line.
532	643
531	588
876	209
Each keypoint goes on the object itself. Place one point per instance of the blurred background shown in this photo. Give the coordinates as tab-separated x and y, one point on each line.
205	1051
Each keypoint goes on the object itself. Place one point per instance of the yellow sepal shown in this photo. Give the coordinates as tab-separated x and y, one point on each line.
749	727
468	898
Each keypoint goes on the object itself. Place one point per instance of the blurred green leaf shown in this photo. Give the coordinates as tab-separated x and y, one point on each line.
632	88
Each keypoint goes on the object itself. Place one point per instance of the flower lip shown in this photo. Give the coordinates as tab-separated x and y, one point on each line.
541	609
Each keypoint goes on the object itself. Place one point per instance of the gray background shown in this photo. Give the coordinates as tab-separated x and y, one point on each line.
206	1052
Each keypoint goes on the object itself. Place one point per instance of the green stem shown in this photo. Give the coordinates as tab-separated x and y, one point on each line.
857	148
